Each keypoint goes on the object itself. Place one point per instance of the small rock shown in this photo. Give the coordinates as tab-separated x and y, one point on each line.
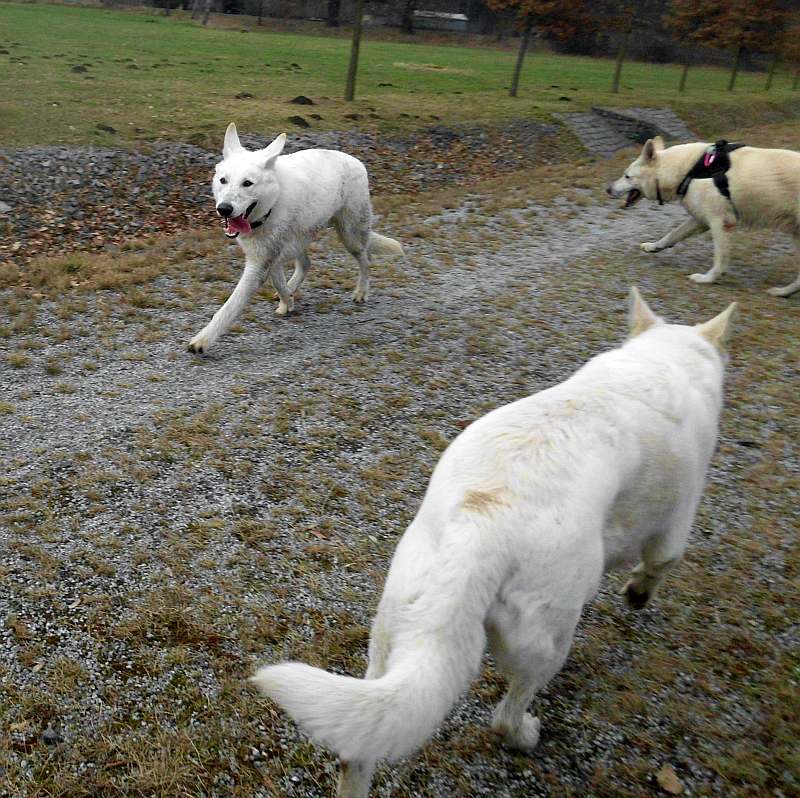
244	95
352	116
4	208
79	68
51	737
301	99
106	128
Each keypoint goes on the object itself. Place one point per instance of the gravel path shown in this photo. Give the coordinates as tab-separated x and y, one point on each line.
168	522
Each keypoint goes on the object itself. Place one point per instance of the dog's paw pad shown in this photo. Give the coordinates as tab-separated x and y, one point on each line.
196	348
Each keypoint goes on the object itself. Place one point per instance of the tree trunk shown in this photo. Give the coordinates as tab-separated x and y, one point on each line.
332	20
736	64
523	46
684	74
207	11
195	9
407	20
772	68
796	80
350	90
621	53
260	11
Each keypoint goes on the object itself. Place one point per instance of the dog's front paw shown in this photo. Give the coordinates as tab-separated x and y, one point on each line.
285	308
649	246
360	295
702	278
635	596
782	290
199	344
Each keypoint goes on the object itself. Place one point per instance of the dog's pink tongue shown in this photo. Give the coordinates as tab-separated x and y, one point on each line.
238	224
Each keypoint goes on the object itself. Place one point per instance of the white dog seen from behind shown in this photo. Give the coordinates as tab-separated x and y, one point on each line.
764	192
274	206
525	511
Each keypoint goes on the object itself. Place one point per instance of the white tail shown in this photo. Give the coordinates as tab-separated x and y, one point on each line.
383	245
365	719
433	651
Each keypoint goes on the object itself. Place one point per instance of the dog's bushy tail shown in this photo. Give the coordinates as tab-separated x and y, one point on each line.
435	650
383	245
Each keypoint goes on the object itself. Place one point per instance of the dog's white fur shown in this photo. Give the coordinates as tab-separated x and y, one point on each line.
525	511
764	186
302	193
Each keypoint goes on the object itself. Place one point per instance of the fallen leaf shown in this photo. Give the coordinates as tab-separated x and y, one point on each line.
669	781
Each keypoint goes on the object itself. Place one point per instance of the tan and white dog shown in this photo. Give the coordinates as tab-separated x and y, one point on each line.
764	187
525	511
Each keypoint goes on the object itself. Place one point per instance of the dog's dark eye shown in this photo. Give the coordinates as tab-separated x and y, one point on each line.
223	180
247	183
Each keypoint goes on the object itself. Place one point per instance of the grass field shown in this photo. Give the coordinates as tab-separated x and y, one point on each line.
66	70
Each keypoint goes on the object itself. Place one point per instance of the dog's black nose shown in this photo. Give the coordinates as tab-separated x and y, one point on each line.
608	191
225	209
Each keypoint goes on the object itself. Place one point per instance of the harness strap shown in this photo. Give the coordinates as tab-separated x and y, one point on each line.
714	164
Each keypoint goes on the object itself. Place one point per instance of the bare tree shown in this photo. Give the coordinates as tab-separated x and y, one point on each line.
332	20
350	89
207	11
407	20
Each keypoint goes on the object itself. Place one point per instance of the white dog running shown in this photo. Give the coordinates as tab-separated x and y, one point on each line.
524	512
274	206
764	193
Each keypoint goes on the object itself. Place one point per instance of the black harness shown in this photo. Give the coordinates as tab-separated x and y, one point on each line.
714	164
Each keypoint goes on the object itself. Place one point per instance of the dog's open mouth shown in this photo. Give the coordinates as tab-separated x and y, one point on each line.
236	224
233	225
634	195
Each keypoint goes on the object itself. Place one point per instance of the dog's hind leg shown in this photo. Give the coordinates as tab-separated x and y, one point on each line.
530	649
286	303
353	227
661	553
722	253
691	227
301	266
788	290
355	778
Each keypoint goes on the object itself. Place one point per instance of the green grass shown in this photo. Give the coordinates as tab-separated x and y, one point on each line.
186	79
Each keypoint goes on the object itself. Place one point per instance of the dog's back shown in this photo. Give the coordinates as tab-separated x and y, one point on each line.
524	512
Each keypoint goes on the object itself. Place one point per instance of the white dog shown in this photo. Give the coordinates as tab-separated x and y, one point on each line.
525	511
274	206
764	191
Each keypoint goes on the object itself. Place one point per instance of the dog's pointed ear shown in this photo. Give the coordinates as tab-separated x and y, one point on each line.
640	317
271	152
651	147
717	330
232	145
